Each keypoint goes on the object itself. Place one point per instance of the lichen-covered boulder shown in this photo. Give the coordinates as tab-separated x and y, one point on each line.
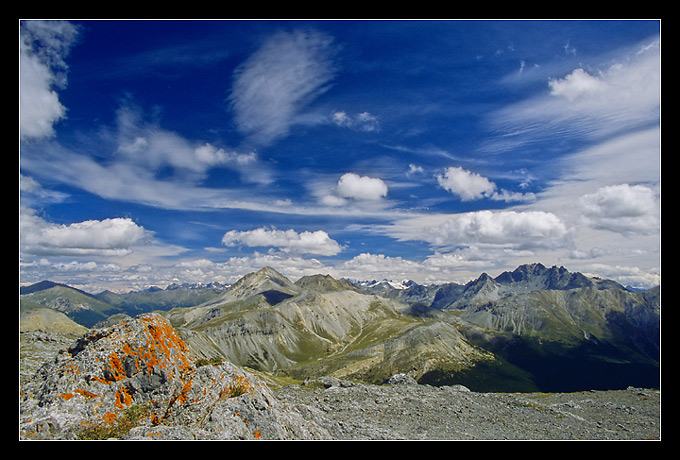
138	380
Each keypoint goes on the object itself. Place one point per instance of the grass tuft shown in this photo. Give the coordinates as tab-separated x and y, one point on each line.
118	427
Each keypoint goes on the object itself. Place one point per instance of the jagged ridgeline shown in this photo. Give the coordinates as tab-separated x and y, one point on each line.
532	329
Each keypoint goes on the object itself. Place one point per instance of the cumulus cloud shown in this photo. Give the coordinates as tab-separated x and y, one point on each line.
506	228
526	230
274	84
467	185
625	275
287	241
358	187
106	237
352	187
471	186
623	209
42	70
577	84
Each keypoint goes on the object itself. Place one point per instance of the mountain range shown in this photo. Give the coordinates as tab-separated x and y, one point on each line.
535	328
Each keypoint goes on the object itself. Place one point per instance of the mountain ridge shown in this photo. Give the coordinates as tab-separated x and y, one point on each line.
486	329
505	277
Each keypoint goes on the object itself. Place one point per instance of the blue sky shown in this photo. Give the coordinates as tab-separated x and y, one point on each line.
154	152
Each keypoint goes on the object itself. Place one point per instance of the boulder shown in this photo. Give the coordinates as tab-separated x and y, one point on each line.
401	379
138	380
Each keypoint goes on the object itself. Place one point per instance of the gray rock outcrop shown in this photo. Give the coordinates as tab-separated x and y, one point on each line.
138	380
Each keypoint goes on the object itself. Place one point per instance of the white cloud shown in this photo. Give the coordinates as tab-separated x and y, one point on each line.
41	69
278	81
341	118
367	266
614	96
576	85
212	156
39	106
106	237
414	169
247	164
287	241
363	121
625	275
508	197
472	186
31	190
332	200
136	153
467	185
358	187
528	230
456	260
623	209
505	228
365	191
153	148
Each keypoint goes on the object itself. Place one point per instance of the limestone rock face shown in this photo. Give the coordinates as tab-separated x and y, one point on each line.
143	367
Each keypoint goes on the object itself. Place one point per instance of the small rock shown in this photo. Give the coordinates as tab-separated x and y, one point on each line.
459	388
401	379
329	382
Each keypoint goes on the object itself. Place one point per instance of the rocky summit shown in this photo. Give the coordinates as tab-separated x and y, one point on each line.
138	380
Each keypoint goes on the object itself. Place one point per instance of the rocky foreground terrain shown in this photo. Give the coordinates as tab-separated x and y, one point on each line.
137	380
408	411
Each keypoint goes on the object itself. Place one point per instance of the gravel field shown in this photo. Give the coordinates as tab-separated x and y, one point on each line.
421	412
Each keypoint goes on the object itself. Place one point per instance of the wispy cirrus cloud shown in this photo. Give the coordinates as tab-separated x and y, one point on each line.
275	84
614	96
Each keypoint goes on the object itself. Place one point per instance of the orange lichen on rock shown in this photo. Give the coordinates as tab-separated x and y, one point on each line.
123	398
164	342
114	370
152	349
86	393
108	370
183	394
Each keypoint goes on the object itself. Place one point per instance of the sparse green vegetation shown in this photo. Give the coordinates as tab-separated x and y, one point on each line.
119	427
214	361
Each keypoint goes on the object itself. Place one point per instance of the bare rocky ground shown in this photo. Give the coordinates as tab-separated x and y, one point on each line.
409	411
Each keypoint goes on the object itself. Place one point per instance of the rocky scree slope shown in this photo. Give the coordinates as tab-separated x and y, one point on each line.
405	410
141	370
